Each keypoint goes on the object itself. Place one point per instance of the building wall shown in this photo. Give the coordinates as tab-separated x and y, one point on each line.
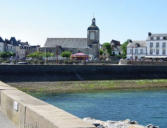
136	53
18	73
155	49
2	47
20	52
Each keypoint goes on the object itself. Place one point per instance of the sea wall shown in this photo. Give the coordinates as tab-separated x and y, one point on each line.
26	111
80	72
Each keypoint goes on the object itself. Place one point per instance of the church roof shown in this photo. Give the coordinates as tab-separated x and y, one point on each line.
93	25
67	42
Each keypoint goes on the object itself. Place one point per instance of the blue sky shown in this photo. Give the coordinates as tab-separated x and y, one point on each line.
35	20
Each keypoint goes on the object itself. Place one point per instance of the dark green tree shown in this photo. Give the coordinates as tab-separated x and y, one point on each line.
6	54
101	51
107	46
124	49
66	54
40	55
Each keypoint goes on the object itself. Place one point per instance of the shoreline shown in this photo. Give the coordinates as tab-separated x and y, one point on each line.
46	88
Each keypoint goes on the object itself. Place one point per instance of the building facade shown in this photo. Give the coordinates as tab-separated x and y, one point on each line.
136	50
2	45
116	47
156	45
21	49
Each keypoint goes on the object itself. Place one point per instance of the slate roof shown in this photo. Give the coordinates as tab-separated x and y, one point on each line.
137	43
67	42
150	36
13	41
159	35
115	42
7	41
1	40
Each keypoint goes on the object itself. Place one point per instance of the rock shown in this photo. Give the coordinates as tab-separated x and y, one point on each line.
115	124
133	122
100	126
96	124
152	126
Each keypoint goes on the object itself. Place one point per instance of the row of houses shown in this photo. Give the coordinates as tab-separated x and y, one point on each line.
21	49
154	47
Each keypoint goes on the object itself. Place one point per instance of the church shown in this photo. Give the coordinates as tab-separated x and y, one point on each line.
89	45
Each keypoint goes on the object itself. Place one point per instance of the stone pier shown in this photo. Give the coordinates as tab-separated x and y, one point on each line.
26	111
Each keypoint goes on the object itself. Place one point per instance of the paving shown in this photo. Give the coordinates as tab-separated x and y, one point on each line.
5	122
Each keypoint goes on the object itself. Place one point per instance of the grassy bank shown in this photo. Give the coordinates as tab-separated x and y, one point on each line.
85	86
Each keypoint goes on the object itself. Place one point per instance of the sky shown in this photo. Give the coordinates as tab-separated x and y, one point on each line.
36	20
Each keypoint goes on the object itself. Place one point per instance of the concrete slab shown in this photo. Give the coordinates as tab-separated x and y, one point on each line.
26	111
5	122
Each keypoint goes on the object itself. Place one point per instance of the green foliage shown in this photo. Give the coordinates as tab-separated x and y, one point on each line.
48	54
40	55
101	52
107	46
124	49
66	54
6	54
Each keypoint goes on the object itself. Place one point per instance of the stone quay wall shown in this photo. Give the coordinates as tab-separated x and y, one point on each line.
80	72
26	111
14	73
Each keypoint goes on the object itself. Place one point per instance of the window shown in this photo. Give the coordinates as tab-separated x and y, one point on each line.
163	52
158	38
131	50
92	35
157	51
157	45
151	45
164	45
151	51
136	51
141	51
164	38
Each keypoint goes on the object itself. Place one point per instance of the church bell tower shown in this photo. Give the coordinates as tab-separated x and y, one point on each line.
93	38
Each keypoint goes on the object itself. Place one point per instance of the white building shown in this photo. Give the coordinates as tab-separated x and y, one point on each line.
2	45
156	45
116	47
136	50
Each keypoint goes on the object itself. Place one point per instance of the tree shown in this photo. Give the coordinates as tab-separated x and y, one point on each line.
101	51
48	54
6	54
107	46
66	54
124	49
40	55
37	55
